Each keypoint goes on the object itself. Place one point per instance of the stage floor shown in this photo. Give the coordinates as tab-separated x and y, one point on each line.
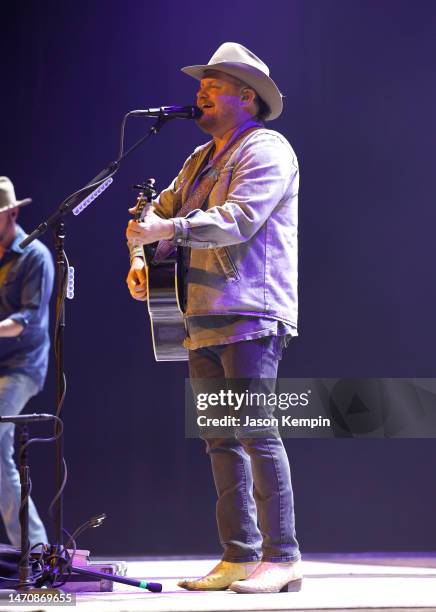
332	582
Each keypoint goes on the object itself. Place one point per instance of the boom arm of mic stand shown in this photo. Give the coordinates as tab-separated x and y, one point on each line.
72	200
65	207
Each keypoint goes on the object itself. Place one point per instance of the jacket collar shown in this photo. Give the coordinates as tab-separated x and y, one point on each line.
20	235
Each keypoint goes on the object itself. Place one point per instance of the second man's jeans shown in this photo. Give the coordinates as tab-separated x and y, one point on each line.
255	507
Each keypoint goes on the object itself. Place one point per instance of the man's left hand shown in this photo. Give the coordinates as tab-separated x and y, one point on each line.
151	229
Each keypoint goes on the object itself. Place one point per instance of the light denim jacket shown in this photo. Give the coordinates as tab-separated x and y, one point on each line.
244	246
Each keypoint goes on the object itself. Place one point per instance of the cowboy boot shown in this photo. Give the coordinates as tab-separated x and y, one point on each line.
220	577
271	577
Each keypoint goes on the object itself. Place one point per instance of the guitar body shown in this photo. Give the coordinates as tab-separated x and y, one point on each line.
164	294
166	318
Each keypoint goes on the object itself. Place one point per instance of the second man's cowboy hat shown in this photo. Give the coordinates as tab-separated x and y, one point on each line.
8	201
240	62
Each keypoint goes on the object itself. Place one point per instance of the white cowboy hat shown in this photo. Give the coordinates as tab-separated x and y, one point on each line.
240	62
7	195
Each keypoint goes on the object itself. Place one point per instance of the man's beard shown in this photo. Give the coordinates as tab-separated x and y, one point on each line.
206	124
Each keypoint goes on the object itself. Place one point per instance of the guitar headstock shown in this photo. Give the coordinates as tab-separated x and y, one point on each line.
145	197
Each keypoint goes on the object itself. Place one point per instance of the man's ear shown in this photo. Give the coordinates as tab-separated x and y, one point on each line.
248	99
248	94
14	213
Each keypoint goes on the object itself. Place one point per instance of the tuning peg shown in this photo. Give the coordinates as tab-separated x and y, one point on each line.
147	184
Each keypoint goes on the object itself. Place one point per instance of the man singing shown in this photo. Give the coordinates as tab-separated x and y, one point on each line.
233	209
26	282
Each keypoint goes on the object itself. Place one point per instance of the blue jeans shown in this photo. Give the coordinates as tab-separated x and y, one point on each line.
15	392
255	507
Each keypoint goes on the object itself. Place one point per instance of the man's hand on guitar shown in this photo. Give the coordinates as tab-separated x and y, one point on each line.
137	279
151	229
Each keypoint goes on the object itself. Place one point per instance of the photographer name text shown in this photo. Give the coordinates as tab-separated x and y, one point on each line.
283	421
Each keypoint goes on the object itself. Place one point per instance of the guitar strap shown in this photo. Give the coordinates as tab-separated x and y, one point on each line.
199	195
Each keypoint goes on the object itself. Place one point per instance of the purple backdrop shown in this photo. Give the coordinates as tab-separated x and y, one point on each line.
360	98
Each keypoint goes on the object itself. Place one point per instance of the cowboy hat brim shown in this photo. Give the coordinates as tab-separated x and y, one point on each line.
16	204
263	85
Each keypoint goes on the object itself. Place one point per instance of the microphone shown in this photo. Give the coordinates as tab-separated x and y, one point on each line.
25	418
177	112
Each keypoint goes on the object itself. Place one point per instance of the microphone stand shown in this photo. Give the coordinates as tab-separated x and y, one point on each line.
55	221
24	568
26	580
61	266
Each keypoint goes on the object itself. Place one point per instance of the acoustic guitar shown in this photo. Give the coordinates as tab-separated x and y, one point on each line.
164	291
